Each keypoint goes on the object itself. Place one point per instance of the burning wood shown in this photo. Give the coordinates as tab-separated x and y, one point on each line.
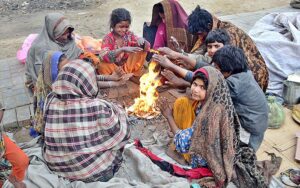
145	105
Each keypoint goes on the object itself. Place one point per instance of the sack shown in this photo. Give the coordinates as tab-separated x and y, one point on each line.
296	113
295	3
22	52
276	113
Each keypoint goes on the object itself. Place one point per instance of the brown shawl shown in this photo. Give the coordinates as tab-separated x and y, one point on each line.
216	137
176	23
242	40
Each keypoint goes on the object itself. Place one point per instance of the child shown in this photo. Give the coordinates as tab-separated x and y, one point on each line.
121	47
183	115
248	98
17	158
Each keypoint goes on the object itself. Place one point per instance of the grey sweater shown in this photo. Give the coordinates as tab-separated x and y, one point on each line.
250	104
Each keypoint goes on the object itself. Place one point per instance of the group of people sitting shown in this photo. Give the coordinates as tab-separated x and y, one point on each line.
220	124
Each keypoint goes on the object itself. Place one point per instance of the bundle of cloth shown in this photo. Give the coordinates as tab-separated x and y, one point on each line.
277	37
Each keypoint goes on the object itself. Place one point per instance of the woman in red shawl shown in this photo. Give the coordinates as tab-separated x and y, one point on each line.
168	19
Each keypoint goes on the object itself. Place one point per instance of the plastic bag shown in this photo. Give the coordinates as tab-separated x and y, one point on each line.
276	113
22	52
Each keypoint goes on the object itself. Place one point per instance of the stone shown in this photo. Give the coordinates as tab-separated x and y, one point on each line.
23	115
22	99
9	119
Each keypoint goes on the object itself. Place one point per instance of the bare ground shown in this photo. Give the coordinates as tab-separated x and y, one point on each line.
19	18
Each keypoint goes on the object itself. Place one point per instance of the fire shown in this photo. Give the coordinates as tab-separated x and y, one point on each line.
145	105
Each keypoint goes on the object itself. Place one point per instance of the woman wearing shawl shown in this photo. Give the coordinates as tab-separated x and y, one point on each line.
84	135
168	19
54	61
52	64
213	138
200	22
56	35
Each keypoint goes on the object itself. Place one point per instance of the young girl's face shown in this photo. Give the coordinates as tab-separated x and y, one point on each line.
121	28
198	90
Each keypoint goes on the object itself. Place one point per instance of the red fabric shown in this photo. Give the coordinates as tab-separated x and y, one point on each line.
201	70
178	14
160	37
17	158
109	44
195	173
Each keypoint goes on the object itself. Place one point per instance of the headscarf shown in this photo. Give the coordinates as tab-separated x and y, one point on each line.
176	23
84	135
216	135
55	25
47	76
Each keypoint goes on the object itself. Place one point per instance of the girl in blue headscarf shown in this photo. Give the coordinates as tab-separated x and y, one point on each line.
53	62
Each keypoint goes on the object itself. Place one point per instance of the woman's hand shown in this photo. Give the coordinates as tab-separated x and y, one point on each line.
165	107
175	43
141	41
162	60
117	75
130	49
169	53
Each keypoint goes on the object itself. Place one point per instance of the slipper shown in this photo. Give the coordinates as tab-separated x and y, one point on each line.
290	177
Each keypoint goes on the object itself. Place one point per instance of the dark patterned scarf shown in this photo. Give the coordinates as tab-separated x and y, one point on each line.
216	137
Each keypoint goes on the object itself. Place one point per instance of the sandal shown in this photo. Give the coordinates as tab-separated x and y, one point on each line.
290	177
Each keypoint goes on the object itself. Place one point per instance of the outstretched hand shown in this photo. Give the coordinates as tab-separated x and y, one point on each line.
175	43
172	79
168	52
162	60
117	74
165	108
131	49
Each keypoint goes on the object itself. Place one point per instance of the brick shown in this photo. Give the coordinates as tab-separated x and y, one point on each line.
23	115
4	75
17	80
9	102
5	83
22	99
9	119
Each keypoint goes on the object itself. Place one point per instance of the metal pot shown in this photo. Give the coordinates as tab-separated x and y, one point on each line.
291	92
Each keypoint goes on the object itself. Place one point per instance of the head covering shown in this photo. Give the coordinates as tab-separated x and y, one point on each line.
47	76
216	135
176	22
54	65
201	70
82	132
55	25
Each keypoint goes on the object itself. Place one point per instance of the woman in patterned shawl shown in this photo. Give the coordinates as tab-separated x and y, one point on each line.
212	140
84	135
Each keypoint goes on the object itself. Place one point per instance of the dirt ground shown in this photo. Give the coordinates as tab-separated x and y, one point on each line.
90	17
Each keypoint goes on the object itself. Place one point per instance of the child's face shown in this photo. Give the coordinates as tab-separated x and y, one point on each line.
198	90
121	28
213	47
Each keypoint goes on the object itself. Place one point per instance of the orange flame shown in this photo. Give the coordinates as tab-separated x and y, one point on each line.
145	105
